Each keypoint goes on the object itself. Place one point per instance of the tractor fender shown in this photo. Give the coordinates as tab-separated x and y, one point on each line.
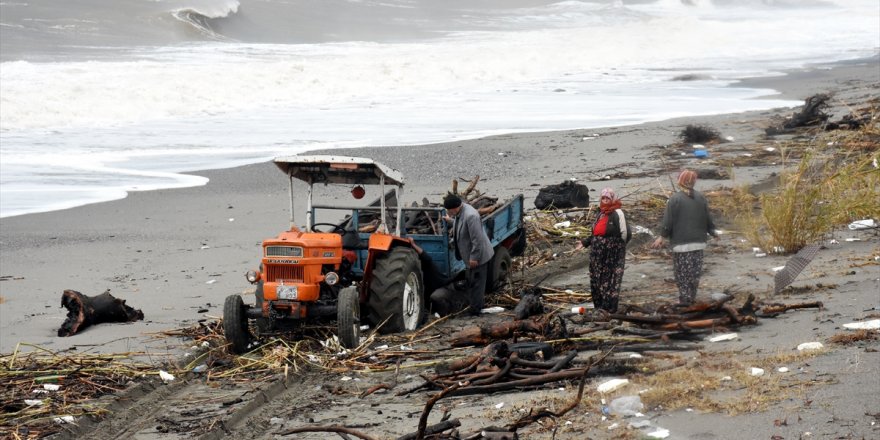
378	245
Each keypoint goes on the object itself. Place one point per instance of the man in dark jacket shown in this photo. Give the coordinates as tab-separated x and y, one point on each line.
472	246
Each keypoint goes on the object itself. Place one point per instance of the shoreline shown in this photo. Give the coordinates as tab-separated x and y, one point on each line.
785	90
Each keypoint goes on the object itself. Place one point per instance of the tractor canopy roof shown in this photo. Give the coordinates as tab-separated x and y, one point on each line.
338	170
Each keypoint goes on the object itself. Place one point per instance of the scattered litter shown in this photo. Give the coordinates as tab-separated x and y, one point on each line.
626	406
165	376
659	433
770	149
747	154
701	153
200	368
643	230
205	344
405	348
613	426
810	346
206	247
761	255
782	369
635	356
729	138
756	372
777	268
833	241
276	421
345	378
232	219
51	387
63	419
210	281
495	309
873	324
756	250
862	224
560	225
33	402
364	327
640	423
724	337
382	347
853	239
499	405
726	378
313	358
611	385
699	146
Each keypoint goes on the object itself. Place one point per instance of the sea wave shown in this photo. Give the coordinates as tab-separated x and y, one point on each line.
199	17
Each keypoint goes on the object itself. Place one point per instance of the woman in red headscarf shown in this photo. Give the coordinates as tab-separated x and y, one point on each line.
687	225
608	251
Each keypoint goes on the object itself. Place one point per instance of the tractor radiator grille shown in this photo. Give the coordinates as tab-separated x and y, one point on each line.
285	273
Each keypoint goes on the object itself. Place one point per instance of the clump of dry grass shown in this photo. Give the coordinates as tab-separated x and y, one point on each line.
699	384
696	134
835	182
853	337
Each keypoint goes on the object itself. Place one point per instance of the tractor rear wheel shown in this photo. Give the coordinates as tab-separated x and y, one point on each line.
348	318
235	324
397	292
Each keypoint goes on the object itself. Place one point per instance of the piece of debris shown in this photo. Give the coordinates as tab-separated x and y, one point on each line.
724	337
873	324
698	134
83	311
567	194
810	346
862	224
756	372
811	114
166	376
611	385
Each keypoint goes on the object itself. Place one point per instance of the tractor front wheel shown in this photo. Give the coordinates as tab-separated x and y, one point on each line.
348	318
235	324
397	292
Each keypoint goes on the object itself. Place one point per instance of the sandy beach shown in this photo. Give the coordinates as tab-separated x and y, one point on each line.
176	254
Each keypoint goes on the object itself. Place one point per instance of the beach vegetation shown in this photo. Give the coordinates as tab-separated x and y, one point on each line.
833	181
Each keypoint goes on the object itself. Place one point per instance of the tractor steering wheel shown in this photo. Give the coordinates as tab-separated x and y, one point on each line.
336	228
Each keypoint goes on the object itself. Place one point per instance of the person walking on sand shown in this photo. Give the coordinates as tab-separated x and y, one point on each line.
472	246
608	251
687	225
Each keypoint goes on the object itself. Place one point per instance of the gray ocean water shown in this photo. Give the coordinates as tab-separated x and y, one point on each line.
99	98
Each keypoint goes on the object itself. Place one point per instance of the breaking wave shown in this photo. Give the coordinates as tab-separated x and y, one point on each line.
199	17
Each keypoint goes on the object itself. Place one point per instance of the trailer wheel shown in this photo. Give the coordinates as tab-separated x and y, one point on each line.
397	292
235	325
499	269
519	245
348	318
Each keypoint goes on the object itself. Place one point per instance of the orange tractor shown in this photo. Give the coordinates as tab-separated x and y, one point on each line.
364	266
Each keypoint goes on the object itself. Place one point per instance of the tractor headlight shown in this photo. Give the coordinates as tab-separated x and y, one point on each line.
331	278
252	276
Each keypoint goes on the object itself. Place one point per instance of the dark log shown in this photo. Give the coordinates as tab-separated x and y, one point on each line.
776	308
433	429
84	311
529	305
336	429
482	335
